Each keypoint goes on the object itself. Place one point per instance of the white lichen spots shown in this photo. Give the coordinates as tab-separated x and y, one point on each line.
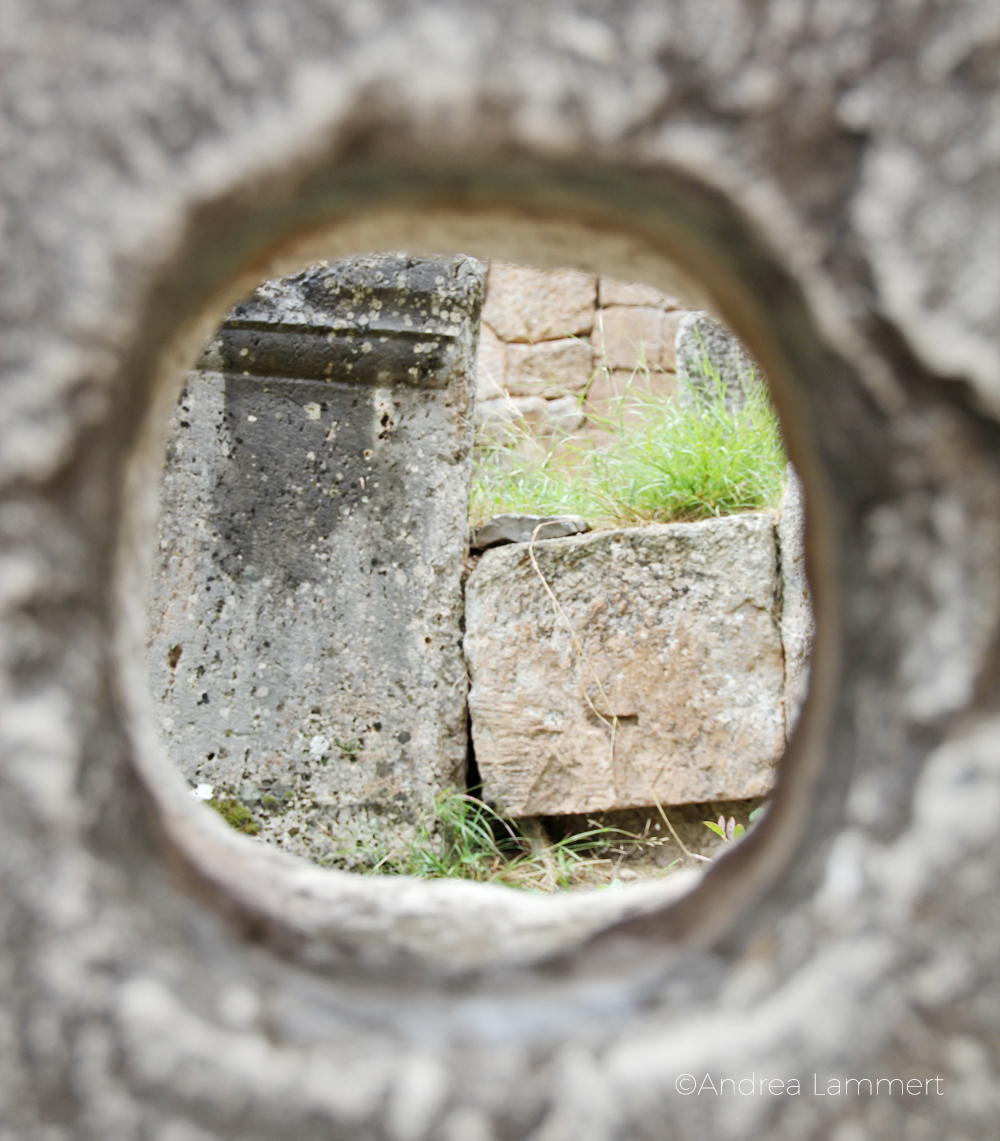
203	792
425	346
251	419
318	745
312	410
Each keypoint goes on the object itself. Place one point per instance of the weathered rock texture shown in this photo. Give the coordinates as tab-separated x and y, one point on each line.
831	171
711	360
523	528
658	677
558	339
798	623
306	604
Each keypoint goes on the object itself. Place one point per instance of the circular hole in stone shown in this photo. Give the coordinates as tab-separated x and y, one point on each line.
307	616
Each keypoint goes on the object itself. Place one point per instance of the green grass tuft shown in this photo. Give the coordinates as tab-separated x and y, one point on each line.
661	460
465	838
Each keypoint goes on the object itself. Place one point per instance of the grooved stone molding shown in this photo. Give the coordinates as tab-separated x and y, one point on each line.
828	173
306	605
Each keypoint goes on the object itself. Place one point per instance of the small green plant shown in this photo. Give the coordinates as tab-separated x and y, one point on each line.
350	749
729	830
464	838
236	815
664	459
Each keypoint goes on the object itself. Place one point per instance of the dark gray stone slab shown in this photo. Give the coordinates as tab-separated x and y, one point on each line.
520	528
306	606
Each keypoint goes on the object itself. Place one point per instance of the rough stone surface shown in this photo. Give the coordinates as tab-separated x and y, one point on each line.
529	305
625	335
830	173
671	629
550	368
710	358
491	365
306	601
521	528
610	291
798	624
622	396
529	413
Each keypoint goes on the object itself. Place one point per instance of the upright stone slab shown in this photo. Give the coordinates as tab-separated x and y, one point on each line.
798	626
668	635
304	641
710	359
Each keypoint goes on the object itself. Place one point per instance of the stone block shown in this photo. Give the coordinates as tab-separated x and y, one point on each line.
798	627
531	305
611	291
671	629
622	397
491	365
542	416
709	356
549	368
503	529
626	335
306	605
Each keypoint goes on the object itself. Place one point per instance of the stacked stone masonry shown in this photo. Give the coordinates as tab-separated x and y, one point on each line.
560	348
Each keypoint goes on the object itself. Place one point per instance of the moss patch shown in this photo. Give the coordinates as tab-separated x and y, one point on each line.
236	815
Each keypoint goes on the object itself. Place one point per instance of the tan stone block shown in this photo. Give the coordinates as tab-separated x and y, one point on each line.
621	395
626	335
668	348
491	364
677	622
550	368
531	305
611	291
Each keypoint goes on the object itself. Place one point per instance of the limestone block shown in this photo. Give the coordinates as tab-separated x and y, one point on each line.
624	335
623	396
491	364
679	639
798	625
611	291
531	305
544	416
709	355
549	368
306	604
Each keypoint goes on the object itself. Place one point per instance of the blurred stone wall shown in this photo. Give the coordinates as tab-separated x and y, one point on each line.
563	351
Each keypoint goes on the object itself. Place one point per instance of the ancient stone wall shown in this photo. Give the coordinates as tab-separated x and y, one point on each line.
306	610
560	350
